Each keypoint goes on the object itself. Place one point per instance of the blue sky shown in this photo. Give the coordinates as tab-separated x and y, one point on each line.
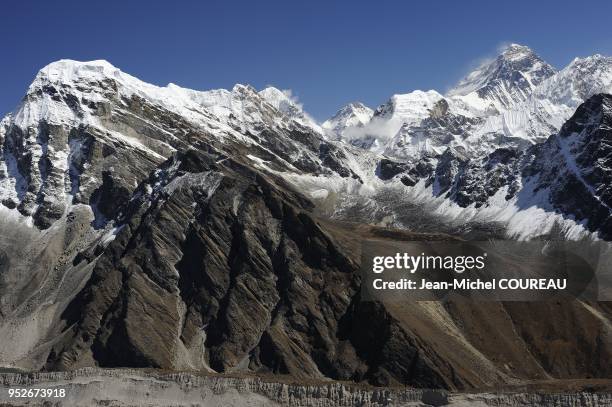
328	52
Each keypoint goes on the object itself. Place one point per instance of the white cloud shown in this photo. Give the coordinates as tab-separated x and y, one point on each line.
381	129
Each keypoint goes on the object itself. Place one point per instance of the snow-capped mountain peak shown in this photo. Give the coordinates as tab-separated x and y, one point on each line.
409	106
282	100
355	114
504	81
556	98
285	102
387	119
581	79
354	109
97	82
44	164
69	71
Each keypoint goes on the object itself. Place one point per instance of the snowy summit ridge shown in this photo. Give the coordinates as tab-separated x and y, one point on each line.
75	110
513	100
508	79
355	114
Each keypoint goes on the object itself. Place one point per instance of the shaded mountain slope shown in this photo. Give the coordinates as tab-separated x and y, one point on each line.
221	267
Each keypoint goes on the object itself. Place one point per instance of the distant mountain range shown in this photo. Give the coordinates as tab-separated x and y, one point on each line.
517	99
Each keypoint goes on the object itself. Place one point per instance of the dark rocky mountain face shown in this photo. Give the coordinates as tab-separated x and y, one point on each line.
219	266
220	253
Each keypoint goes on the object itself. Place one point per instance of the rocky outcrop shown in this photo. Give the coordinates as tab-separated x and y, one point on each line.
388	169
